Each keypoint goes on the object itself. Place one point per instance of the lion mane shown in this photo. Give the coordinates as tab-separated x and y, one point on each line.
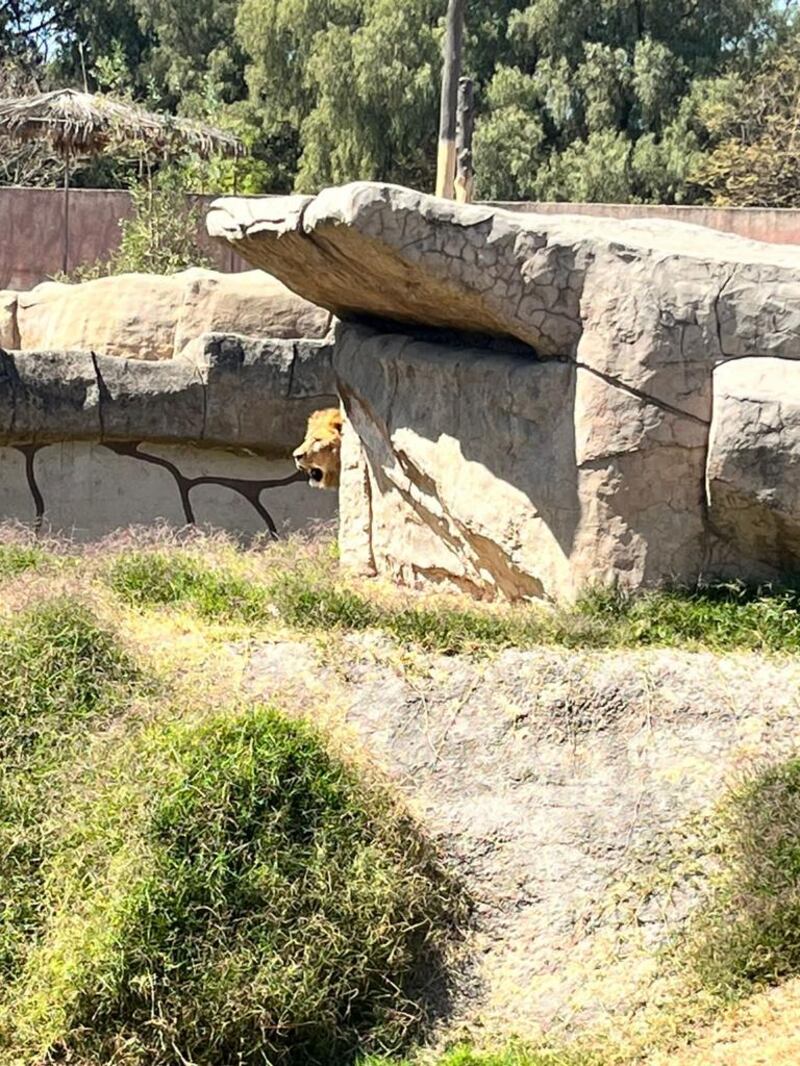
319	456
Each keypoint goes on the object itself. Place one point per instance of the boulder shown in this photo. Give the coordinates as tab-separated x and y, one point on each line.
503	475
578	455
754	458
154	317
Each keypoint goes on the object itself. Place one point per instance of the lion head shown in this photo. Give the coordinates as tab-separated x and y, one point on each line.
319	454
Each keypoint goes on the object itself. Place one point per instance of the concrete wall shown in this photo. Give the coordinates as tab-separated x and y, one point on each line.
773	225
32	228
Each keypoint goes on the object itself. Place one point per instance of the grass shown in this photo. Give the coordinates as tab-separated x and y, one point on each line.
148	578
747	935
228	891
309	597
17	558
184	883
515	1055
59	670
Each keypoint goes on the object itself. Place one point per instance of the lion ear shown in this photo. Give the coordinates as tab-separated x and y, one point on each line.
338	422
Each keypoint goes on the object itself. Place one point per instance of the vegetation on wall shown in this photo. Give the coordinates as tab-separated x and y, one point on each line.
627	100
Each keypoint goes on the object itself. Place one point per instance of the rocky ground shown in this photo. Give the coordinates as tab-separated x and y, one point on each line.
568	788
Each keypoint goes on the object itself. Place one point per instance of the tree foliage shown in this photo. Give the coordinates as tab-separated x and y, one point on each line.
755	124
578	99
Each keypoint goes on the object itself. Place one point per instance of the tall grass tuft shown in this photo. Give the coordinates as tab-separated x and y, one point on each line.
59	671
230	892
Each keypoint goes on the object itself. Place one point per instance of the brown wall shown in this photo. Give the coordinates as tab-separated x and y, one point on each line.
32	228
773	225
32	232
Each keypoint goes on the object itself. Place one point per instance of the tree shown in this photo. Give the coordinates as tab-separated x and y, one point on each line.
600	91
597	99
755	129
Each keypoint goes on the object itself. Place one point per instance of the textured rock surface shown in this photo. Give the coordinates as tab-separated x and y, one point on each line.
754	458
9	335
146	316
233	392
567	789
588	465
498	473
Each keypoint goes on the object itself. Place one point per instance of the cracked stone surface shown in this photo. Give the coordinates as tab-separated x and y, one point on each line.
754	458
564	787
506	476
579	455
229	391
147	316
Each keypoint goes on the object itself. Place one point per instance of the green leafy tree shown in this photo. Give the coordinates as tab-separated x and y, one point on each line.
613	87
754	124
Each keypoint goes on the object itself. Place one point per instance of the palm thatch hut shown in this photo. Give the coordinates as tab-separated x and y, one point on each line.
80	123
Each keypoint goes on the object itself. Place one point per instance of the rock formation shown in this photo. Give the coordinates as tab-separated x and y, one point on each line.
585	451
149	316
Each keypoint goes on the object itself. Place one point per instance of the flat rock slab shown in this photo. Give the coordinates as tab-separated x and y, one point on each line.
369	249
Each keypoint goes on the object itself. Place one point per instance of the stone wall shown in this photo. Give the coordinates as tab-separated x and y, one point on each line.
93	442
541	403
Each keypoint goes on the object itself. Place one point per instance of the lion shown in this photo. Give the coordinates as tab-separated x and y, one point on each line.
319	454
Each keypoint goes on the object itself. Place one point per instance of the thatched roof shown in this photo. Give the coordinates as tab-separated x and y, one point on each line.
79	123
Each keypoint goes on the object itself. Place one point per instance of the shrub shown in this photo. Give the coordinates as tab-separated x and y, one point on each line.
230	892
747	934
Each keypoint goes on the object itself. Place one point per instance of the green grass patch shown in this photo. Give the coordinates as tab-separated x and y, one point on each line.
229	892
59	671
173	578
515	1055
747	934
721	618
15	559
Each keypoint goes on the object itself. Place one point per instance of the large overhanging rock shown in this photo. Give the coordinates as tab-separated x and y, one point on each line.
581	455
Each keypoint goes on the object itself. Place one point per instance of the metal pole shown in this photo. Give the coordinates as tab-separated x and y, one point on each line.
453	48
65	264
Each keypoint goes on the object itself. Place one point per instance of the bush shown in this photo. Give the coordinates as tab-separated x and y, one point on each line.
747	935
159	238
229	892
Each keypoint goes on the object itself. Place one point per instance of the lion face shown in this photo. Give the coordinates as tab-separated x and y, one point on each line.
319	454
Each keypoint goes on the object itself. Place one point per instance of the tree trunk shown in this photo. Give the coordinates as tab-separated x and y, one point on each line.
453	47
466	126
